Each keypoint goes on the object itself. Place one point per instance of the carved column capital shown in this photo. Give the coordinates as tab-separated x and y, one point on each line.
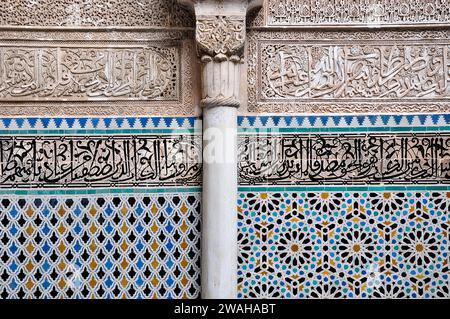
220	39
220	36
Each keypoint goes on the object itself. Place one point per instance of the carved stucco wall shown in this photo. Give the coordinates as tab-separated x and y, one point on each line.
348	200
97	57
100	168
343	151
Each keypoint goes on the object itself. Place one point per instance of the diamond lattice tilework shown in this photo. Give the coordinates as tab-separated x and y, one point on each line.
344	244
100	246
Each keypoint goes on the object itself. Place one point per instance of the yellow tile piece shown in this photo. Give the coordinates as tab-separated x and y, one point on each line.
61	229
62	283
62	265
61	211
124	245
154	209
29	266
184	281
184	263
184	244
93	228
124	282
155	281
154	227
184	209
154	245
155	263
30	211
93	211
93	264
184	227
29	284
92	282
30	248
93	246
30	229
62	247
124	228
124	264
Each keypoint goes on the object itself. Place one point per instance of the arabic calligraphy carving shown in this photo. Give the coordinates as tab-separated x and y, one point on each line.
344	158
395	71
52	73
75	161
94	13
356	12
382	78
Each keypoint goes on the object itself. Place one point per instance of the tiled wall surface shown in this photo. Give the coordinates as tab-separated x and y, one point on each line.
344	206
99	208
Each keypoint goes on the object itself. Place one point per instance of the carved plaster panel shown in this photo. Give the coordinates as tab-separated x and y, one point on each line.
354	13
94	13
81	72
136	73
349	71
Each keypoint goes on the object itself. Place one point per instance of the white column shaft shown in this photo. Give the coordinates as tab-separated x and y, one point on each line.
219	215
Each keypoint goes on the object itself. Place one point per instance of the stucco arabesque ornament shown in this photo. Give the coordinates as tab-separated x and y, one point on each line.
220	38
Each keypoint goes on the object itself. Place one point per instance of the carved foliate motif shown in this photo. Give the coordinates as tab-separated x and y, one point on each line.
94	13
220	43
220	35
86	73
356	12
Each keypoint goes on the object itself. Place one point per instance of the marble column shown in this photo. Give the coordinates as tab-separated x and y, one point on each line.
220	39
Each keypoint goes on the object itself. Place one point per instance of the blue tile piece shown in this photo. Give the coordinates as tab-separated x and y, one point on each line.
167	121
143	121
288	120
32	121
44	122
6	122
95	122
131	121
70	121
155	121
107	122
119	121
19	122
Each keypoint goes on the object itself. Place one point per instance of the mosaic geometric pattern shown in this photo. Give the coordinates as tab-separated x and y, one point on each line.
100	246
344	244
93	229
28	124
373	122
